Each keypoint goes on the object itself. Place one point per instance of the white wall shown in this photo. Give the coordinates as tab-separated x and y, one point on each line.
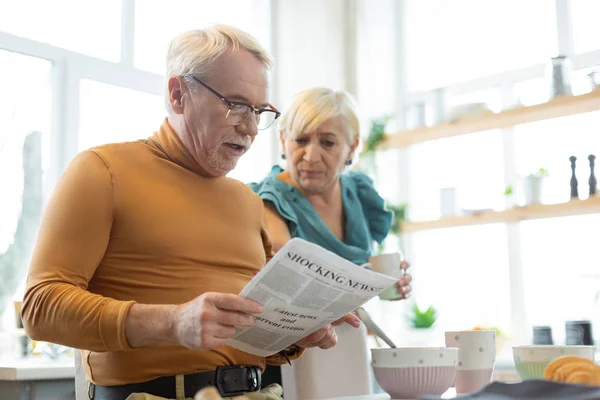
309	46
376	57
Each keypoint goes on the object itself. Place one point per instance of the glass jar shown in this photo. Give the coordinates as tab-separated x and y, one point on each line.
559	76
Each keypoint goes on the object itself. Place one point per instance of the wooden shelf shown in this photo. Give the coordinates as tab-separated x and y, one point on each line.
573	207
559	107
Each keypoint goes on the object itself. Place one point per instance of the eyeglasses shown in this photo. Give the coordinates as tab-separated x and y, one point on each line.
238	111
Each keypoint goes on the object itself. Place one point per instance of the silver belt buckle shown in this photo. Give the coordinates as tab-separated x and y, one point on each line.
91	390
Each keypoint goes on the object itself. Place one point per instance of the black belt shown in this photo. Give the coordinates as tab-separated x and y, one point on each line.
230	381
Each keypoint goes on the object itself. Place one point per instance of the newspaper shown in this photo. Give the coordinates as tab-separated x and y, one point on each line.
303	288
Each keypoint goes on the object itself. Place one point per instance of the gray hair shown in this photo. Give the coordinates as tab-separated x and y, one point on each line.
193	52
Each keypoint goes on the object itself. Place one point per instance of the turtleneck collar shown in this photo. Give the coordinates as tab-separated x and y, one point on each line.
168	142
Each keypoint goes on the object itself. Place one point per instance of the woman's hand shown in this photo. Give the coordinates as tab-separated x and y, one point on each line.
326	337
404	282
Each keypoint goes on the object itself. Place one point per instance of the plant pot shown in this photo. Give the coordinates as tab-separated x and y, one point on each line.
533	186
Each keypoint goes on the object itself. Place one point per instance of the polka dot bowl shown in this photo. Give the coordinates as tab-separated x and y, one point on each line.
531	361
409	372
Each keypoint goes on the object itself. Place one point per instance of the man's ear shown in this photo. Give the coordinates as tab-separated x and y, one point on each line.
176	89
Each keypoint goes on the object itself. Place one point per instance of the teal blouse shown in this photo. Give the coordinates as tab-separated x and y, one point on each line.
367	219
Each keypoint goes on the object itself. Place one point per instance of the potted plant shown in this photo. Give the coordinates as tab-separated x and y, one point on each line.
375	138
399	211
421	319
533	186
376	133
421	330
509	196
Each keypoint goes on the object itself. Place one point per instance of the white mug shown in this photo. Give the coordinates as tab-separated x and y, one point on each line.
476	358
387	264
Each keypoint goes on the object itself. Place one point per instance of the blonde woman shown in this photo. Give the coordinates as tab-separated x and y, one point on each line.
317	200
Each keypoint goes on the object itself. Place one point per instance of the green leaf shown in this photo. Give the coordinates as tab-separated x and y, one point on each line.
376	133
422	319
399	211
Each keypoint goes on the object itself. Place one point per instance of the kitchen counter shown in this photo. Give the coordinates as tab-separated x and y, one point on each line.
36	368
37	378
505	363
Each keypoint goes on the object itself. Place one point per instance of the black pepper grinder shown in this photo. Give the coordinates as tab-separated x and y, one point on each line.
574	191
592	181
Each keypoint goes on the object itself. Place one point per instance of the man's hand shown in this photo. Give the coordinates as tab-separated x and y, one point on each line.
204	323
208	321
326	337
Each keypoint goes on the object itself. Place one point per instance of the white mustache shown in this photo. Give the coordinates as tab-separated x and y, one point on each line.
240	141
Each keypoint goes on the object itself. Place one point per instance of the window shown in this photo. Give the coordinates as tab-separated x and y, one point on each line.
457	46
472	164
529	93
88	27
24	129
581	82
549	144
537	91
451	42
156	23
491	98
115	114
463	273
257	162
466	278
586	32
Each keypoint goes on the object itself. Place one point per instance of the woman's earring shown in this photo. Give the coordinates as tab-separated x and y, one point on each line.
349	162
283	156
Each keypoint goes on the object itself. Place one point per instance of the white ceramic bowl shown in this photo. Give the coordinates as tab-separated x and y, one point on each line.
409	372
532	360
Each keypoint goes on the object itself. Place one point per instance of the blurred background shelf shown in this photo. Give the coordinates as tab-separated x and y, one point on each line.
573	207
559	107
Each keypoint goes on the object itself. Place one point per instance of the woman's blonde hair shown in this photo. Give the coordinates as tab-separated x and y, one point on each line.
312	107
193	52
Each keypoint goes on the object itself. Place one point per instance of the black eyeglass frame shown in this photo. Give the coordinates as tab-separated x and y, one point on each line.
256	111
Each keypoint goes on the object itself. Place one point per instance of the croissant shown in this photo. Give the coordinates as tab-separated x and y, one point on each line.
573	369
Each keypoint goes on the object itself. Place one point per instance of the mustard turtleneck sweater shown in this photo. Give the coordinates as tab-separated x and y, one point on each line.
136	222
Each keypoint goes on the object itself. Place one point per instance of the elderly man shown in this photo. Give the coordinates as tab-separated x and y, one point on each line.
145	245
